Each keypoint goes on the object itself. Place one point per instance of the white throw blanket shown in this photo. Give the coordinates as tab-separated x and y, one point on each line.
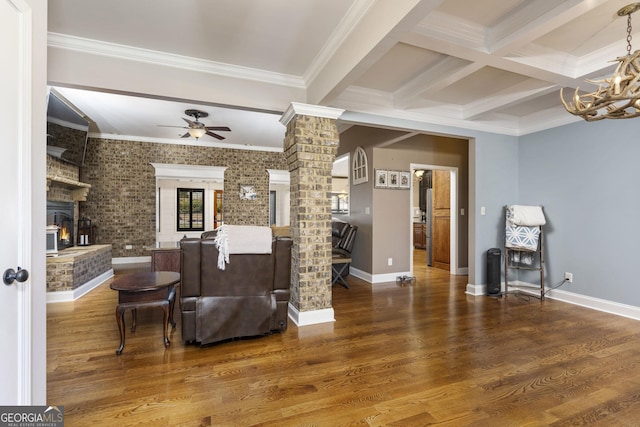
528	216
241	239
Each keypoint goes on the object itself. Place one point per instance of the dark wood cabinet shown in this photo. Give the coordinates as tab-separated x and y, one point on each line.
419	235
165	259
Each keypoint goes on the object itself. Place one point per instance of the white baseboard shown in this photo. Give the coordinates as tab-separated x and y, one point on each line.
619	309
314	317
360	274
68	296
391	277
476	290
377	278
606	306
131	260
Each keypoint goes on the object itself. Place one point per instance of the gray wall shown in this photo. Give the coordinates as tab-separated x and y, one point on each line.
585	175
493	181
392	227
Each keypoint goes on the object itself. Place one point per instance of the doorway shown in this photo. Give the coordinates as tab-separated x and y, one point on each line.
441	223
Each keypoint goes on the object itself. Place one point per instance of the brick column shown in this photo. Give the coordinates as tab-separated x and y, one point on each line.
310	145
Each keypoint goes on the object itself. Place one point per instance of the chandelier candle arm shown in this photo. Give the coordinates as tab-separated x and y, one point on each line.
617	97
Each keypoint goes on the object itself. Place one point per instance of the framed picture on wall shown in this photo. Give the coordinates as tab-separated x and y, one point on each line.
381	178
393	179
405	180
247	192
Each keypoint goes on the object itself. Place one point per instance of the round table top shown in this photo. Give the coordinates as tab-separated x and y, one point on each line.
145	281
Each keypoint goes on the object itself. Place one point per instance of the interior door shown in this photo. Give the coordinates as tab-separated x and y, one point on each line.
441	219
21	372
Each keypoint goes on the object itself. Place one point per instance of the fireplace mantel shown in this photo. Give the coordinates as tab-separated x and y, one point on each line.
79	190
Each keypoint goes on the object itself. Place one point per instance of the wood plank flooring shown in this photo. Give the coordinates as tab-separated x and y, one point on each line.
426	354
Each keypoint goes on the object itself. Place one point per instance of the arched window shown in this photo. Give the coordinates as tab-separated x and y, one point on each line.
360	169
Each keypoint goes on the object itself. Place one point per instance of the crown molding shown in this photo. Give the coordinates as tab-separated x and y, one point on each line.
207	144
296	108
355	13
442	26
96	47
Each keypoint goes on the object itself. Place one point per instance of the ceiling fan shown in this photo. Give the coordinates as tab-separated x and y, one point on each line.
198	129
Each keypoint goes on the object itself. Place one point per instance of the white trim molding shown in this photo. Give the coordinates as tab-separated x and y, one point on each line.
175	171
114	50
277	176
69	296
599	304
476	290
314	317
612	307
297	108
131	260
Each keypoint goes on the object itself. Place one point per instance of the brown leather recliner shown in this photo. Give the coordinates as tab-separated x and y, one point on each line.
248	298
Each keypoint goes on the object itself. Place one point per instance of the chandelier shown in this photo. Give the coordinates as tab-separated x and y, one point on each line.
618	96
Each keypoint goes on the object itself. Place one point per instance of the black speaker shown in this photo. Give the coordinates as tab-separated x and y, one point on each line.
493	271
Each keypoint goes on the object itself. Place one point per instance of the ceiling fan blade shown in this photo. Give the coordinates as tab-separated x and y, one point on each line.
215	135
191	123
169	126
186	135
225	128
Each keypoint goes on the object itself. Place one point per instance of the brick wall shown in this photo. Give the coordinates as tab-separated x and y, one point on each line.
58	168
122	202
66	273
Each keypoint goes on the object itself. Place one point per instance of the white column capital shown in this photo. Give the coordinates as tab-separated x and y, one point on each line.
296	108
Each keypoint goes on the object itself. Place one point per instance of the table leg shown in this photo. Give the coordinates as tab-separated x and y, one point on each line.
172	304
134	319
165	308
120	319
338	271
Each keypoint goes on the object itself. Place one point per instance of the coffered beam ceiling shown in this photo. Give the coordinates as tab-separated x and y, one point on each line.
490	65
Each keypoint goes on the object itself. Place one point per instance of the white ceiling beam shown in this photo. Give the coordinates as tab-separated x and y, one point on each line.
511	96
436	78
534	20
122	69
378	30
425	38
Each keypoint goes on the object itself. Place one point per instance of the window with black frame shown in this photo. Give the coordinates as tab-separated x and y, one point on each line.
190	209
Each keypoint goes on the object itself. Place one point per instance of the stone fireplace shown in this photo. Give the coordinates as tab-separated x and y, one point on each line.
73	270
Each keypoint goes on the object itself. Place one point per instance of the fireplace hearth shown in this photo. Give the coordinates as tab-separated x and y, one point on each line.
60	215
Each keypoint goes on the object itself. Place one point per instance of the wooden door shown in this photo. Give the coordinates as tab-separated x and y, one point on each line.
441	219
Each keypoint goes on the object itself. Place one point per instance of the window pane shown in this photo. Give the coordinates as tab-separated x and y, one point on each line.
190	209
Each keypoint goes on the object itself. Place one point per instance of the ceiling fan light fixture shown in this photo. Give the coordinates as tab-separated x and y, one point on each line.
197	133
618	96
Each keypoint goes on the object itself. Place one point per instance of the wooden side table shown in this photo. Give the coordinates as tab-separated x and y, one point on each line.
338	266
145	289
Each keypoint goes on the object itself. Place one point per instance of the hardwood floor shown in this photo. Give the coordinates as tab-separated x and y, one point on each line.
426	354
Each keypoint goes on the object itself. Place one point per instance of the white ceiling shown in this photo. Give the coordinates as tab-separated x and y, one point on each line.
491	65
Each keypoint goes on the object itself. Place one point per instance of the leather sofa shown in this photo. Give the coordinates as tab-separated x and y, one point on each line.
248	298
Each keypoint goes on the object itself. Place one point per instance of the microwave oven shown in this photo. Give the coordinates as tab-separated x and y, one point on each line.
52	240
